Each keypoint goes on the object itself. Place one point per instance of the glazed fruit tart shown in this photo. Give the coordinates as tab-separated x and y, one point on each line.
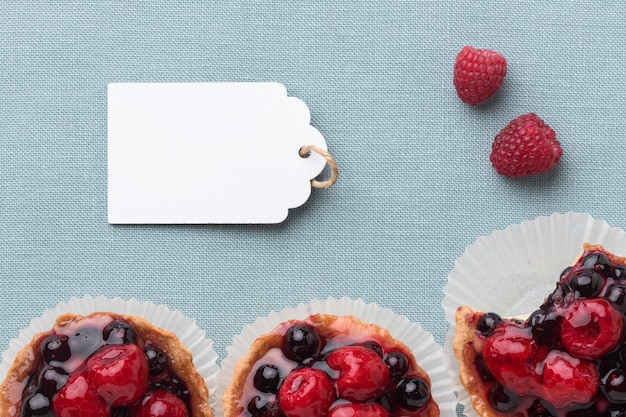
565	359
104	365
328	365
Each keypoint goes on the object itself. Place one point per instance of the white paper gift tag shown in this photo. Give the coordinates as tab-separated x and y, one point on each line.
207	153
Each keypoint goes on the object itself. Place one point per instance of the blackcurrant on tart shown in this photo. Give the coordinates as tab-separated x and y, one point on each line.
327	365
566	359
104	365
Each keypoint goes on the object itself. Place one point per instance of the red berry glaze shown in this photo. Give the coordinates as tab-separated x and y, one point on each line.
159	403
526	146
76	399
567	380
591	328
306	392
511	355
478	74
358	410
119	374
363	374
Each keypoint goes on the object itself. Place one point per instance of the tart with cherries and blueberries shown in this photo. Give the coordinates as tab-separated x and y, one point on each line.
329	366
566	359
104	365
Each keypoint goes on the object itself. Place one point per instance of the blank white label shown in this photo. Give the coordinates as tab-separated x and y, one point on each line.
207	153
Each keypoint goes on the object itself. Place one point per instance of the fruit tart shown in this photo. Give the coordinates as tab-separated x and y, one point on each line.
327	365
104	365
565	359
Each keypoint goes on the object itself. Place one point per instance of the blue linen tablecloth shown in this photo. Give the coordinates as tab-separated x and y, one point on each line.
416	186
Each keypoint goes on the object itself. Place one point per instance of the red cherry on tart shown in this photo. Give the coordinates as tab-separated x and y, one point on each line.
328	366
306	392
104	365
362	373
567	359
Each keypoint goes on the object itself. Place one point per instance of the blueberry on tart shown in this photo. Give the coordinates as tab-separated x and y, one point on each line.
104	365
327	365
565	359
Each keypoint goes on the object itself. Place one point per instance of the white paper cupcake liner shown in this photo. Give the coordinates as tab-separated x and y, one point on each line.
511	271
204	357
427	352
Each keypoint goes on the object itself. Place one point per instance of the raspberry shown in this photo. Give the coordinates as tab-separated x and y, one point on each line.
119	374
77	399
363	374
526	146
591	328
478	74
159	403
306	392
567	380
511	354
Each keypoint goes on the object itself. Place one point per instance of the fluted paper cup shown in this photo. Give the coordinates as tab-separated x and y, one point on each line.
204	357
511	271
427	352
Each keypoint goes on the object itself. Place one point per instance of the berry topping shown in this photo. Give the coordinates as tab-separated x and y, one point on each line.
412	394
613	386
301	342
597	261
478	74
398	364
510	355
567	380
51	380
375	346
586	283
487	323
306	392
363	374
119	332
539	409
358	410
590	328
36	404
76	399
85	341
502	399
174	386
544	326
561	295
526	146
119	373
158	403
157	360
616	294
267	379
55	347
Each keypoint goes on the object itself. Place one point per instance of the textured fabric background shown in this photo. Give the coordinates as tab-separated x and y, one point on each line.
416	185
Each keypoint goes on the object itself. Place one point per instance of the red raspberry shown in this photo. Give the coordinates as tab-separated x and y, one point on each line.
363	374
306	392
478	74
77	399
526	146
567	380
159	403
119	373
511	355
590	328
358	410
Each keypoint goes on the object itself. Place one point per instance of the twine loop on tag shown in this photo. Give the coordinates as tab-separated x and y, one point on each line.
305	151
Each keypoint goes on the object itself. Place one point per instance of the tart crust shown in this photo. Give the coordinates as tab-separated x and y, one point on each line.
466	353
328	326
180	361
